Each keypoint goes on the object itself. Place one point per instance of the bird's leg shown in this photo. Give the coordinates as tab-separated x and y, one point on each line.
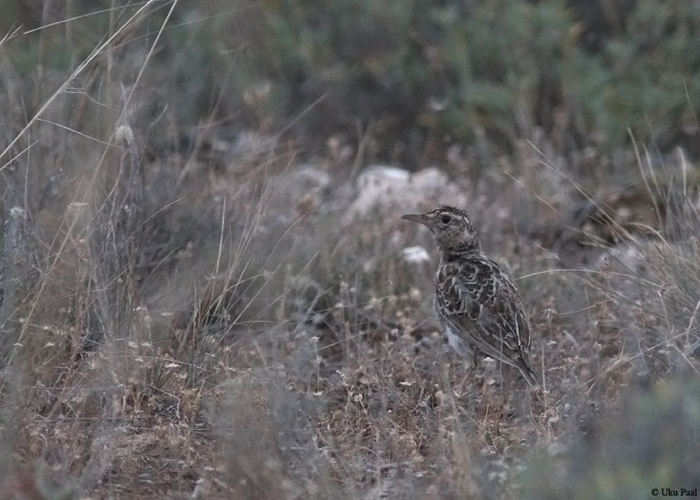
470	369
506	374
460	386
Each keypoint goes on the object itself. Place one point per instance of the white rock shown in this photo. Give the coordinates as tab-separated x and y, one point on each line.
383	190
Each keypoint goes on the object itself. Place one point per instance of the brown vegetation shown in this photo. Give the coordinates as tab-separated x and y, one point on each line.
200	310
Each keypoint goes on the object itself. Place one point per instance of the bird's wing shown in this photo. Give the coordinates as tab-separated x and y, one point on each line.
479	299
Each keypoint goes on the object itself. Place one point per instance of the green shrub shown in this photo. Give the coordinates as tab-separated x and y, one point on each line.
645	78
494	67
653	443
490	71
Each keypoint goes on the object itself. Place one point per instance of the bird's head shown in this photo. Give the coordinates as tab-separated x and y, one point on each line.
451	227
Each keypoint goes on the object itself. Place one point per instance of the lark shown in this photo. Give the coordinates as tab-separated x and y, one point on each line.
478	305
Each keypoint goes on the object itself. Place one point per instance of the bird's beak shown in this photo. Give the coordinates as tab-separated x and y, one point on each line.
419	218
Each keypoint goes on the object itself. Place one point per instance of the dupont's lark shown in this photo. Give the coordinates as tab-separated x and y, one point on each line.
477	303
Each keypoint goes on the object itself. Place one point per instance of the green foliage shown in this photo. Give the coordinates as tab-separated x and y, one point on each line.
420	49
646	78
497	56
41	37
495	66
652	444
492	69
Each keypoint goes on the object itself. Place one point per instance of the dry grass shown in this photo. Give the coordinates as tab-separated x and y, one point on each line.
208	322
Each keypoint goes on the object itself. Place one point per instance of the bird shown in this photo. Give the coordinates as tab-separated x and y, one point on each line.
478	305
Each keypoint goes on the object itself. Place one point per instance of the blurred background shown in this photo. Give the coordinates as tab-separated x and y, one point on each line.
417	76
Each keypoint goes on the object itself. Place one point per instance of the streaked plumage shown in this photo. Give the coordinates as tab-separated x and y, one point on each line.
478	305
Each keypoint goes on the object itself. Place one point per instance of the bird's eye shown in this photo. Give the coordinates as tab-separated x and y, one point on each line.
445	219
